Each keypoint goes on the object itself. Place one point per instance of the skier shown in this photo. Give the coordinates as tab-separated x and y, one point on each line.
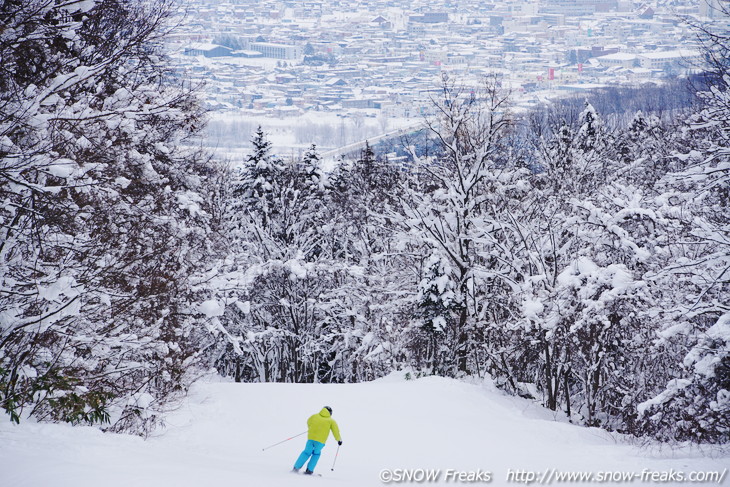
319	430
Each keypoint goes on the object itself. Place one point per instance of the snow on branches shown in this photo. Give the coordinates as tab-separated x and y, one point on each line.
104	213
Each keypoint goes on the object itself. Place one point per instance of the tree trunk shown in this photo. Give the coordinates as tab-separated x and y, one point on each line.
567	393
550	385
462	345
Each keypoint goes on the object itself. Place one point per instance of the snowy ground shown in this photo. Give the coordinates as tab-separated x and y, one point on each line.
216	438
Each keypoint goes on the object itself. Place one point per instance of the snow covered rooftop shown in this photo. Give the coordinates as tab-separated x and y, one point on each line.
675	54
619	56
204	46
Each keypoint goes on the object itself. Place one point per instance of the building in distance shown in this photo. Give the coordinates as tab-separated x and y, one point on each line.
277	51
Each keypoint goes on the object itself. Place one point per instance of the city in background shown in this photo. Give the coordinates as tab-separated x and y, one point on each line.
334	72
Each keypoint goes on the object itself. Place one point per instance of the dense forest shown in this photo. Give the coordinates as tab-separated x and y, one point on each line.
577	257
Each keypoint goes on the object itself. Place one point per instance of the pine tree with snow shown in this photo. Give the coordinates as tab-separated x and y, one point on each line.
589	128
438	311
311	166
259	179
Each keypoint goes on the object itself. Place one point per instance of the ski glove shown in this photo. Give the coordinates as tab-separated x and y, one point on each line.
339	443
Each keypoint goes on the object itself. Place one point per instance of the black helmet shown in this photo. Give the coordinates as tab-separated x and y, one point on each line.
329	409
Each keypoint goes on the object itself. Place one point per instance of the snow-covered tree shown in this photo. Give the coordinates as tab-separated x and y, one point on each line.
104	213
458	207
291	309
695	197
435	323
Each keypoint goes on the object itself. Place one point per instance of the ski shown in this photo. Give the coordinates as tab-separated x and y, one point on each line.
309	475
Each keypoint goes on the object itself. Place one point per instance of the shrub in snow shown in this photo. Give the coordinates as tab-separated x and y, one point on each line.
696	408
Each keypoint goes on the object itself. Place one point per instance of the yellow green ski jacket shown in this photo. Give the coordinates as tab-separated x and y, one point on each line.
320	426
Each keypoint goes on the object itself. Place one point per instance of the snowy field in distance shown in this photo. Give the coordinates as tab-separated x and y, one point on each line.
230	133
216	438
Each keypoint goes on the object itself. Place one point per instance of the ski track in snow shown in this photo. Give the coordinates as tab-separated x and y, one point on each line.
217	434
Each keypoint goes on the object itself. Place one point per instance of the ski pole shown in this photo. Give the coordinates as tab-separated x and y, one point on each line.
333	462
283	441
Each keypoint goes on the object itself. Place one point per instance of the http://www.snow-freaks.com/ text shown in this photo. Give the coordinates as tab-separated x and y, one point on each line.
549	476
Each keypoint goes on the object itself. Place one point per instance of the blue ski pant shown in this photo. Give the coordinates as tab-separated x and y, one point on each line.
312	449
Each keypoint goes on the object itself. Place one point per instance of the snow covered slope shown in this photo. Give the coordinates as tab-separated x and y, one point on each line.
217	435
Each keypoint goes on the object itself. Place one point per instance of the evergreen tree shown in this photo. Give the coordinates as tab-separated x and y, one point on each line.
312	169
437	311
